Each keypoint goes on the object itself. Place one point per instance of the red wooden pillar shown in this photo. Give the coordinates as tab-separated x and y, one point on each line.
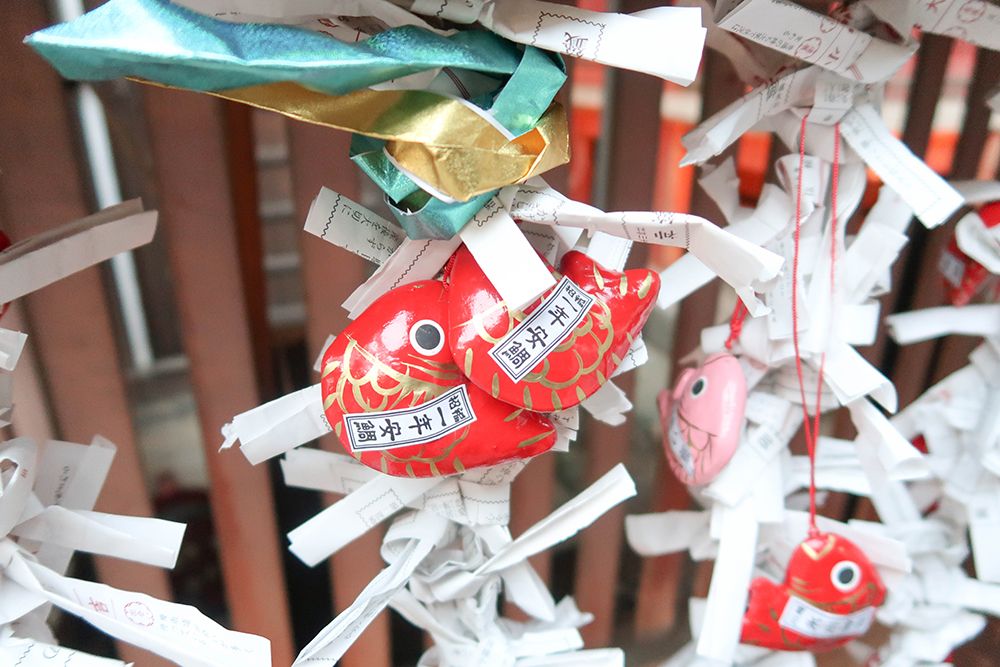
196	215
319	158
41	187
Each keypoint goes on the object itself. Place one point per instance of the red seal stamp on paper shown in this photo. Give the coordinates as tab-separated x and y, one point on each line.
971	11
139	613
808	48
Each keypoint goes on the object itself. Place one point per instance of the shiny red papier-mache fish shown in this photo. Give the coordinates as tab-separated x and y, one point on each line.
581	363
828	598
394	358
393	373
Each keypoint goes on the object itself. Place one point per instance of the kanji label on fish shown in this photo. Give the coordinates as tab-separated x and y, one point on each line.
805	619
410	426
543	330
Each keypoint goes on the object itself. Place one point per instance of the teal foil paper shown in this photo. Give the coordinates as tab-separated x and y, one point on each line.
169	44
166	43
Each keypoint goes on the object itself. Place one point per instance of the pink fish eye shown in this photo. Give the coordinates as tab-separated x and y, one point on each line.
845	575
699	386
427	337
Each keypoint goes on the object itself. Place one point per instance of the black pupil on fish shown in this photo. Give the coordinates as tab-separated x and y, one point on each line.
698	386
427	336
846	575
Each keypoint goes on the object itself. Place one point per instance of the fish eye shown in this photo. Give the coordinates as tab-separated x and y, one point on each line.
845	575
427	337
699	386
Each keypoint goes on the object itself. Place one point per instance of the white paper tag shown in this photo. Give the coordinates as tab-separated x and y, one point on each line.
410	426
721	130
11	346
505	256
816	38
973	21
740	263
620	40
412	261
801	617
43	259
349	225
834	98
175	631
20	652
678	444
543	330
931	198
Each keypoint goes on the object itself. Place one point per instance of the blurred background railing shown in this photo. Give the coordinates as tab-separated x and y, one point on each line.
231	303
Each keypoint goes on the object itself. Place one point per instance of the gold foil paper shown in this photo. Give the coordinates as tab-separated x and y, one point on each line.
442	141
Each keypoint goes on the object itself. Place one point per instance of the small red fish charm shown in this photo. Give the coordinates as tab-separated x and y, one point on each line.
828	598
581	360
389	379
964	277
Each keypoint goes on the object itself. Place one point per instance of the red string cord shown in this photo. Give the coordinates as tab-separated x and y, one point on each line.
811	427
736	324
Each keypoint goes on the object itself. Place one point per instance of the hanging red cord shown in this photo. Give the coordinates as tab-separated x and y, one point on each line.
811	427
736	323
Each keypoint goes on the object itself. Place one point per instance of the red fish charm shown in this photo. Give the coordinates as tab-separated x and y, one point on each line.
400	404
964	277
582	356
828	598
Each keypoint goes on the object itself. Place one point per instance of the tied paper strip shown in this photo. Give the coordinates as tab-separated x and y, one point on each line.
722	129
972	21
931	198
306	13
817	39
54	527
11	346
23	652
629	41
494	239
491	236
45	258
476	498
414	537
742	264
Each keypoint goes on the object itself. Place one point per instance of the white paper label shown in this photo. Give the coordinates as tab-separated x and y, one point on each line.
541	332
349	225
933	201
951	268
801	617
678	444
580	38
410	426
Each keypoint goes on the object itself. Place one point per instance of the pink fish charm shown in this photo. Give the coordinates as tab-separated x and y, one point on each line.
703	417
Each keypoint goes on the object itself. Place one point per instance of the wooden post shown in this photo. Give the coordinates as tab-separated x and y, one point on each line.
953	352
659	582
319	157
41	187
914	279
635	109
196	215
